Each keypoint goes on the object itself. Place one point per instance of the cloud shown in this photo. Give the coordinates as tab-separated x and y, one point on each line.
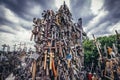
58	3
16	19
26	8
81	9
106	17
113	7
96	6
96	20
7	29
115	27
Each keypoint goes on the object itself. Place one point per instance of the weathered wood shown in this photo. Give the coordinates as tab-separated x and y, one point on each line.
96	43
34	70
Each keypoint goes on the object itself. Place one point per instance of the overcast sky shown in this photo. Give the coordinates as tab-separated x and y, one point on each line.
100	17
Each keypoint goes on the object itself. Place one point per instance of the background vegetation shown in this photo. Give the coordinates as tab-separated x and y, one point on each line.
90	50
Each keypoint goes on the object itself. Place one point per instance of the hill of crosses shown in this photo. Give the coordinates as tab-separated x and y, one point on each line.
58	43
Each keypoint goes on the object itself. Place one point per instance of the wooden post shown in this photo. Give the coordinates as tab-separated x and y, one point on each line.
54	69
14	47
45	59
34	70
51	58
8	48
4	47
117	34
115	49
60	49
105	50
97	47
20	45
31	37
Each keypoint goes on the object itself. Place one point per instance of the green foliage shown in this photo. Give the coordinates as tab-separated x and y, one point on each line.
90	50
107	40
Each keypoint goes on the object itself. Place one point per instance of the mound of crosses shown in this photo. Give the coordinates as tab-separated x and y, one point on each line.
58	42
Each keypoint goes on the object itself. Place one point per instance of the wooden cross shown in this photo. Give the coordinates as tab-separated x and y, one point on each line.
34	64
25	48
115	49
8	48
96	43
105	50
51	54
34	33
45	59
51	59
14	47
60	48
20	45
117	34
4	45
57	19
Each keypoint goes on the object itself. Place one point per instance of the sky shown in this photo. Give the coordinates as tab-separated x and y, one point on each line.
100	17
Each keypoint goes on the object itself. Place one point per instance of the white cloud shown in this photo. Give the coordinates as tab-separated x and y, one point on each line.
104	29
35	10
93	27
21	34
58	3
96	5
7	28
93	23
114	27
10	16
100	30
6	38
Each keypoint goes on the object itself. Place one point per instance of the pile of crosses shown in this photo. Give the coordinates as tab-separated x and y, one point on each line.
58	43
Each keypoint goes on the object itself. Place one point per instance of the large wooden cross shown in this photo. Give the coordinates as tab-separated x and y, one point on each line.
97	45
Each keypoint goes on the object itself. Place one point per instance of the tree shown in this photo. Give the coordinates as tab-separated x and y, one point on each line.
90	50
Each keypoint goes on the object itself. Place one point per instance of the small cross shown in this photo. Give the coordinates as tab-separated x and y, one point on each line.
4	45
14	47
